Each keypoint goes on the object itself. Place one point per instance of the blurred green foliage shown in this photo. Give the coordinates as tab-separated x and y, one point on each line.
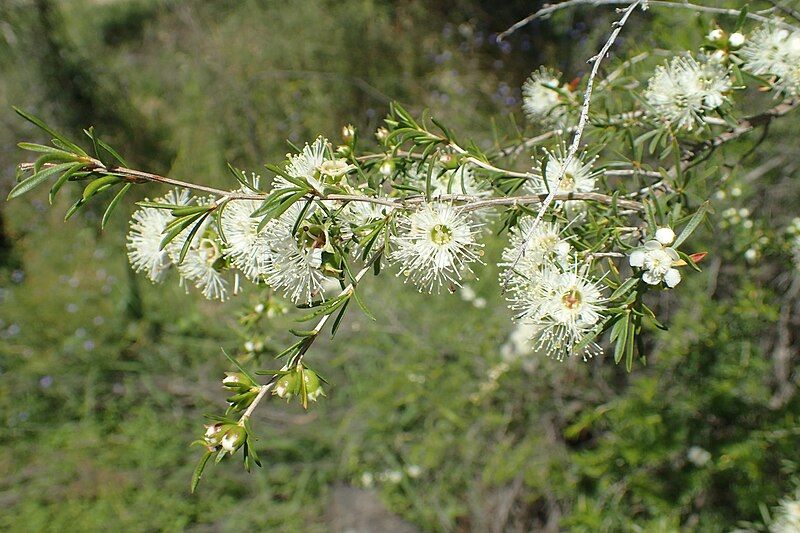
105	377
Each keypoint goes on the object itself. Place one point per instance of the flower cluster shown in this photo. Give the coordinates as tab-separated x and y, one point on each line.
774	51
545	99
682	92
550	290
196	253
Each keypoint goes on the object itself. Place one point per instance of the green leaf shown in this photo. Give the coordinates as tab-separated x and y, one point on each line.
198	471
239	367
100	184
190	237
697	218
113	204
624	288
36	179
36	121
61	181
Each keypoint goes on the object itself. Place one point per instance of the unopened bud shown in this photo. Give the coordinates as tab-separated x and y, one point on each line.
313	385
382	134
348	133
233	439
236	381
386	168
448	161
213	435
287	385
736	40
715	35
665	236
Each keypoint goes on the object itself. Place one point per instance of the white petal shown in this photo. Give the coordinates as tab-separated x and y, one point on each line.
650	278
672	277
637	258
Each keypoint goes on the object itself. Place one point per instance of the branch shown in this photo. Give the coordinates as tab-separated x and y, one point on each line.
470	202
320	324
549	9
745	126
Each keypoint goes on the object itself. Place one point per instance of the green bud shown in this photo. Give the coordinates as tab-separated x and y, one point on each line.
382	134
288	385
233	439
237	381
213	435
312	385
387	167
448	161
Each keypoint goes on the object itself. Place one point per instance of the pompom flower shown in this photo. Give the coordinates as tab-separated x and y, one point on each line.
435	245
316	166
576	176
202	263
683	91
531	245
771	50
147	231
293	261
543	97
244	244
564	307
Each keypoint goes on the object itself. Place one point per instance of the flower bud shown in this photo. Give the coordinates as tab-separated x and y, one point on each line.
213	435
382	134
233	439
312	384
287	385
665	236
348	133
236	381
736	40
448	161
715	35
387	167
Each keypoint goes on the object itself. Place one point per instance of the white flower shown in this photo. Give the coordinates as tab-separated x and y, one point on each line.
698	456
658	262
435	245
574	177
776	51
531	245
293	261
787	516
715	35
543	99
413	471
367	480
147	231
199	265
682	91
565	308
244	244
665	236
315	165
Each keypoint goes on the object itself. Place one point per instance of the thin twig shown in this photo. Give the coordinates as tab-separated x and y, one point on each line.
576	139
469	202
549	9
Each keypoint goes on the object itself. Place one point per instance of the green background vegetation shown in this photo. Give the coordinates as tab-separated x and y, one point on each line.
104	377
